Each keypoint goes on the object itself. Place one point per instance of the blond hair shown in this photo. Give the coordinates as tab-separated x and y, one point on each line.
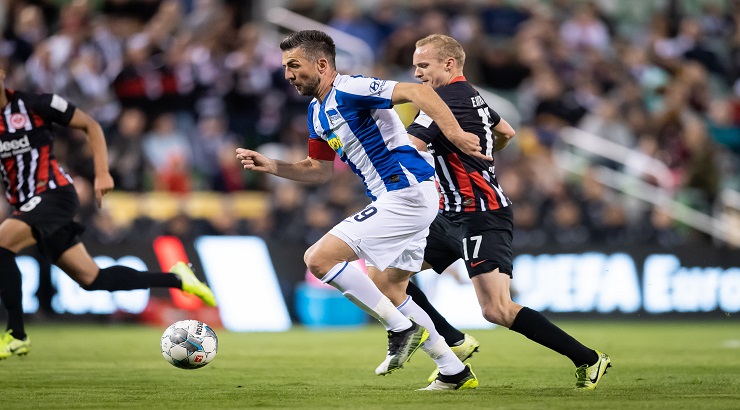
445	46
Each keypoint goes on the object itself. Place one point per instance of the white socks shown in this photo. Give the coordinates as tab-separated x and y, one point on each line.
435	346
360	289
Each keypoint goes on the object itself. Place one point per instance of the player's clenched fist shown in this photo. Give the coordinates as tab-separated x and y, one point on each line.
254	161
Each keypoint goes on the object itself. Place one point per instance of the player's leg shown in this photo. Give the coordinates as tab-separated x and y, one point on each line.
392	282
380	233
463	345
443	248
80	266
15	235
328	259
452	336
495	300
454	375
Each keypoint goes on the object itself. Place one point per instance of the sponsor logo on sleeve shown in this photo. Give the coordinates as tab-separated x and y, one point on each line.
58	103
423	119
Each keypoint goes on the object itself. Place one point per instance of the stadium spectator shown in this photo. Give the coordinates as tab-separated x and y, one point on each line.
585	31
501	18
126	152
214	146
169	153
248	68
26	31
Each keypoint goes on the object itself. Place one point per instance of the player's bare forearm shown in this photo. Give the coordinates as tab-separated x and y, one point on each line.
500	142
96	138
103	180
309	170
429	101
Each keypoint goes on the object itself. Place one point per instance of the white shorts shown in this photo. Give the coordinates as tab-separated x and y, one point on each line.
392	231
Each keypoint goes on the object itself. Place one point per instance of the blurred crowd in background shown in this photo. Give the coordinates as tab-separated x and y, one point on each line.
179	84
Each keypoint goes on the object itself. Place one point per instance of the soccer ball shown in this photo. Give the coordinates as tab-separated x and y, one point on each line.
189	344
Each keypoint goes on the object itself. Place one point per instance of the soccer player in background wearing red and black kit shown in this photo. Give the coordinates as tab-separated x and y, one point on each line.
44	206
476	220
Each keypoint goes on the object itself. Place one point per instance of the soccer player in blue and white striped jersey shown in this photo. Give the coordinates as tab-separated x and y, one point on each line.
352	117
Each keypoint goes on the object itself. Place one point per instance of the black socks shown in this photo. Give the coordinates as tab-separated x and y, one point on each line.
124	278
537	328
452	336
11	292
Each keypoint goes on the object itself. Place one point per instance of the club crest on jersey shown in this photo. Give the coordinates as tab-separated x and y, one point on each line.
18	120
333	116
336	144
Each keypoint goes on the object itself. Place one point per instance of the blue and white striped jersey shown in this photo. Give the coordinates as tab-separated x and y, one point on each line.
357	120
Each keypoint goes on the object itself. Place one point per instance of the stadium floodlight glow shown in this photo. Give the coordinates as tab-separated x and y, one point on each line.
240	273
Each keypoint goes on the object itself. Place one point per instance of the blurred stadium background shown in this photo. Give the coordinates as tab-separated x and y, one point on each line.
625	173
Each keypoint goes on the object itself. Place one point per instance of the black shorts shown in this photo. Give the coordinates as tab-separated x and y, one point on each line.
482	239
51	217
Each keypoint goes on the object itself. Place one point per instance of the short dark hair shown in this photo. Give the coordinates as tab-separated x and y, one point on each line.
315	43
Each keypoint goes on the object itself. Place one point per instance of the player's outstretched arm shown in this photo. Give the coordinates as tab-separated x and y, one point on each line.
309	170
103	179
428	101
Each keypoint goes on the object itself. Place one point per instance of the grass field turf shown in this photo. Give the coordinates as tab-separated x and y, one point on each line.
657	365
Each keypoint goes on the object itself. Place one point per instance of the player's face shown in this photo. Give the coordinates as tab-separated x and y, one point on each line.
300	72
429	69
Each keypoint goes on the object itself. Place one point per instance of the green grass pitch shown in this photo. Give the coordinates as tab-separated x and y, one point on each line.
656	365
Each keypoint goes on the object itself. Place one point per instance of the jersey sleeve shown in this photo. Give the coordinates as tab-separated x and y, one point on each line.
317	147
495	117
53	108
424	128
366	92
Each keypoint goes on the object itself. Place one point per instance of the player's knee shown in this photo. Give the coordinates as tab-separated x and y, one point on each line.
87	284
90	281
314	262
492	314
499	313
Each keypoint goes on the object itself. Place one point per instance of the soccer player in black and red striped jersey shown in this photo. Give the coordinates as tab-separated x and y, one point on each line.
44	206
476	220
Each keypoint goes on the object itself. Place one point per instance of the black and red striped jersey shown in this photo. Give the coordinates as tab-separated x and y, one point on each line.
27	163
466	184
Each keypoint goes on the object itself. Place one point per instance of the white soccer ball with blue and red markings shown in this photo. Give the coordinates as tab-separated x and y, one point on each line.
189	344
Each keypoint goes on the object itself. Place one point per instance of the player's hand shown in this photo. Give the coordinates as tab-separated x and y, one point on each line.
469	144
254	161
103	185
